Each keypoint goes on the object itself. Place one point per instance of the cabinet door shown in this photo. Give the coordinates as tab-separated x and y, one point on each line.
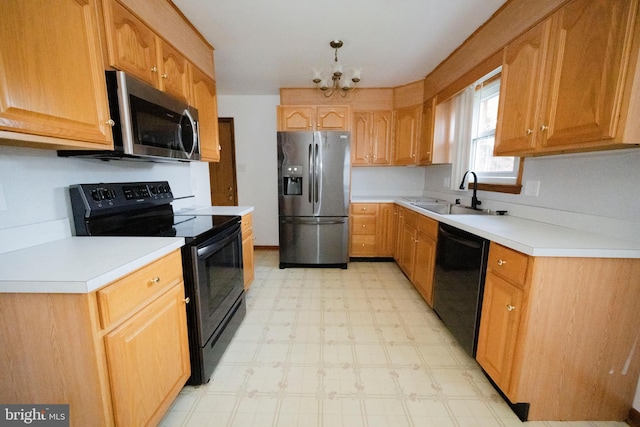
425	148
381	138
332	118
406	135
361	138
586	73
130	43
149	352
520	91
497	338
51	72
386	230
203	97
174	76
424	267
296	118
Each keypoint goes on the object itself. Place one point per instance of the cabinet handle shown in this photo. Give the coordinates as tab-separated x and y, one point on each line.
501	262
154	69
544	128
186	300
364	225
510	307
164	76
363	245
529	131
154	281
110	122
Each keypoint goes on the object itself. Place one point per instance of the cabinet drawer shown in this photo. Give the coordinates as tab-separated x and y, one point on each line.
131	292
509	264
363	224
428	226
363	245
364	208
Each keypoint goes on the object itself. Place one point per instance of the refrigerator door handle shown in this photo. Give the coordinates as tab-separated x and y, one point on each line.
315	221
317	176
310	179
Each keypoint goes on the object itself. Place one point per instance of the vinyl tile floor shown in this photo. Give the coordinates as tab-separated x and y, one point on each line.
343	348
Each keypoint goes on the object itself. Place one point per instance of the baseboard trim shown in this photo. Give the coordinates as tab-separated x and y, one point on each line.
634	418
268	248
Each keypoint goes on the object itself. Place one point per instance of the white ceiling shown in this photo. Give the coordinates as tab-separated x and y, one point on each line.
261	46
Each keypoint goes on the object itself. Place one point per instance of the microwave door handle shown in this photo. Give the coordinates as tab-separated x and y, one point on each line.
194	137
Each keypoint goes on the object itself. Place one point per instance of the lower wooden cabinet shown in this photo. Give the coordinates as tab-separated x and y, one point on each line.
118	356
372	230
247	250
560	333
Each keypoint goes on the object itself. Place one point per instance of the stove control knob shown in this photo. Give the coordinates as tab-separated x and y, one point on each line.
153	189
96	195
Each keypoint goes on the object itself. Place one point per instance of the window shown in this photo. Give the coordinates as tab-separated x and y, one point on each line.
490	169
467	122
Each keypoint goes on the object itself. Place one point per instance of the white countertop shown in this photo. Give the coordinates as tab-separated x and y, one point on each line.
79	264
533	238
216	210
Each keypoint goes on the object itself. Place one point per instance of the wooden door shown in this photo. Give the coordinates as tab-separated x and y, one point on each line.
131	45
520	90
381	137
497	338
586	72
406	135
361	138
296	118
51	72
149	352
174	76
203	97
332	118
222	174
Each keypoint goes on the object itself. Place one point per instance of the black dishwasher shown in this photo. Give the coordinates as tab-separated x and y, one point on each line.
461	262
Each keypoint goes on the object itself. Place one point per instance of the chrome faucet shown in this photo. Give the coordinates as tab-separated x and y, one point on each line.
474	199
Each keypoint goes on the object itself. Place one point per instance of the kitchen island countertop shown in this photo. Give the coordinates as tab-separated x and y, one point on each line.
530	237
79	264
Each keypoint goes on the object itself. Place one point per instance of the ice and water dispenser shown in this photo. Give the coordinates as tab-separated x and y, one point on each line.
292	177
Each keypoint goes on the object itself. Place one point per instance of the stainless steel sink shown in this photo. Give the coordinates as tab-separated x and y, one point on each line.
444	208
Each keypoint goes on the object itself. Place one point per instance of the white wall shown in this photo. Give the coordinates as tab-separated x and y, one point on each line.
254	119
34	183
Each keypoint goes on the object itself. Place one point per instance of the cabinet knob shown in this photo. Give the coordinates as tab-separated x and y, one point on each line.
364	225
110	122
363	245
154	69
164	76
510	307
529	131
544	128
154	281
501	262
186	300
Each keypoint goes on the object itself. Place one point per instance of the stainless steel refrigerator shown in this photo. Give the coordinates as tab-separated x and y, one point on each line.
313	198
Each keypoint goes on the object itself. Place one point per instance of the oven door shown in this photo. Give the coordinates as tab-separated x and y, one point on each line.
220	280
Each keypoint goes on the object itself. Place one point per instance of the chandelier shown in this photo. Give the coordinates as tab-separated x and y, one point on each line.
338	84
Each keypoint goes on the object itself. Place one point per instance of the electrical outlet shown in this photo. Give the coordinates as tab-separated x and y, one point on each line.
3	201
532	188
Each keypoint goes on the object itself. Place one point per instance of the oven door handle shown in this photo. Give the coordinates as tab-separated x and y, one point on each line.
215	244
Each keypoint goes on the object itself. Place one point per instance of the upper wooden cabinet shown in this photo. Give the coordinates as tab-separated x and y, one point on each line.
371	138
203	97
52	86
173	75
407	135
310	117
426	147
567	83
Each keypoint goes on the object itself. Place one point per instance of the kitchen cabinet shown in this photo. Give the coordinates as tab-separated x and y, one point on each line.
248	264
426	147
173	75
52	90
406	243
312	117
371	138
557	333
204	98
567	84
372	229
426	244
406	135
118	355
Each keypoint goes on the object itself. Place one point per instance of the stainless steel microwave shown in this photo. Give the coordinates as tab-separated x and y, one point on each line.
148	123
